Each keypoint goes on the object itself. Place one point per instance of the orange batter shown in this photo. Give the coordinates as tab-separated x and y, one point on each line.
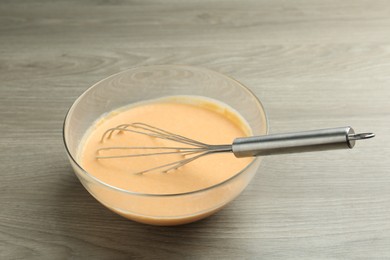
196	118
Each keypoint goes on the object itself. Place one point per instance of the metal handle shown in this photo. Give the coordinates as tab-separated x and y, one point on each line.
307	141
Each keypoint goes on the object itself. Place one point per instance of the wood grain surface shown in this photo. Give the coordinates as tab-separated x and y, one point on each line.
313	64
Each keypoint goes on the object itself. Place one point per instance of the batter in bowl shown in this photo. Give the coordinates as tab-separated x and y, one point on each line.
197	118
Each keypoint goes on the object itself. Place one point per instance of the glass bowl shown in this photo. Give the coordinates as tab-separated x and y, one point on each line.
152	82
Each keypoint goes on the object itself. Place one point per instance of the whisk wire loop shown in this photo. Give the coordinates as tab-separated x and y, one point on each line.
196	149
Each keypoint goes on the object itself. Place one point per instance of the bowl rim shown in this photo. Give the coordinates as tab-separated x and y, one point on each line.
93	178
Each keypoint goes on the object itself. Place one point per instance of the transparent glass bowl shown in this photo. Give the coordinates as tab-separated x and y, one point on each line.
145	83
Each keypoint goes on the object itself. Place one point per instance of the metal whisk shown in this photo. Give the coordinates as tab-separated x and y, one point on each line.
307	141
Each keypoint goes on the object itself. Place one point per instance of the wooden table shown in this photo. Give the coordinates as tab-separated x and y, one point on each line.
313	64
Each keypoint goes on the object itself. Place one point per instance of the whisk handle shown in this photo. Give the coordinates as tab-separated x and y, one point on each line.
307	141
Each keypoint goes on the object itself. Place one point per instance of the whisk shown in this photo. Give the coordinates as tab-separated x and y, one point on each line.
296	142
